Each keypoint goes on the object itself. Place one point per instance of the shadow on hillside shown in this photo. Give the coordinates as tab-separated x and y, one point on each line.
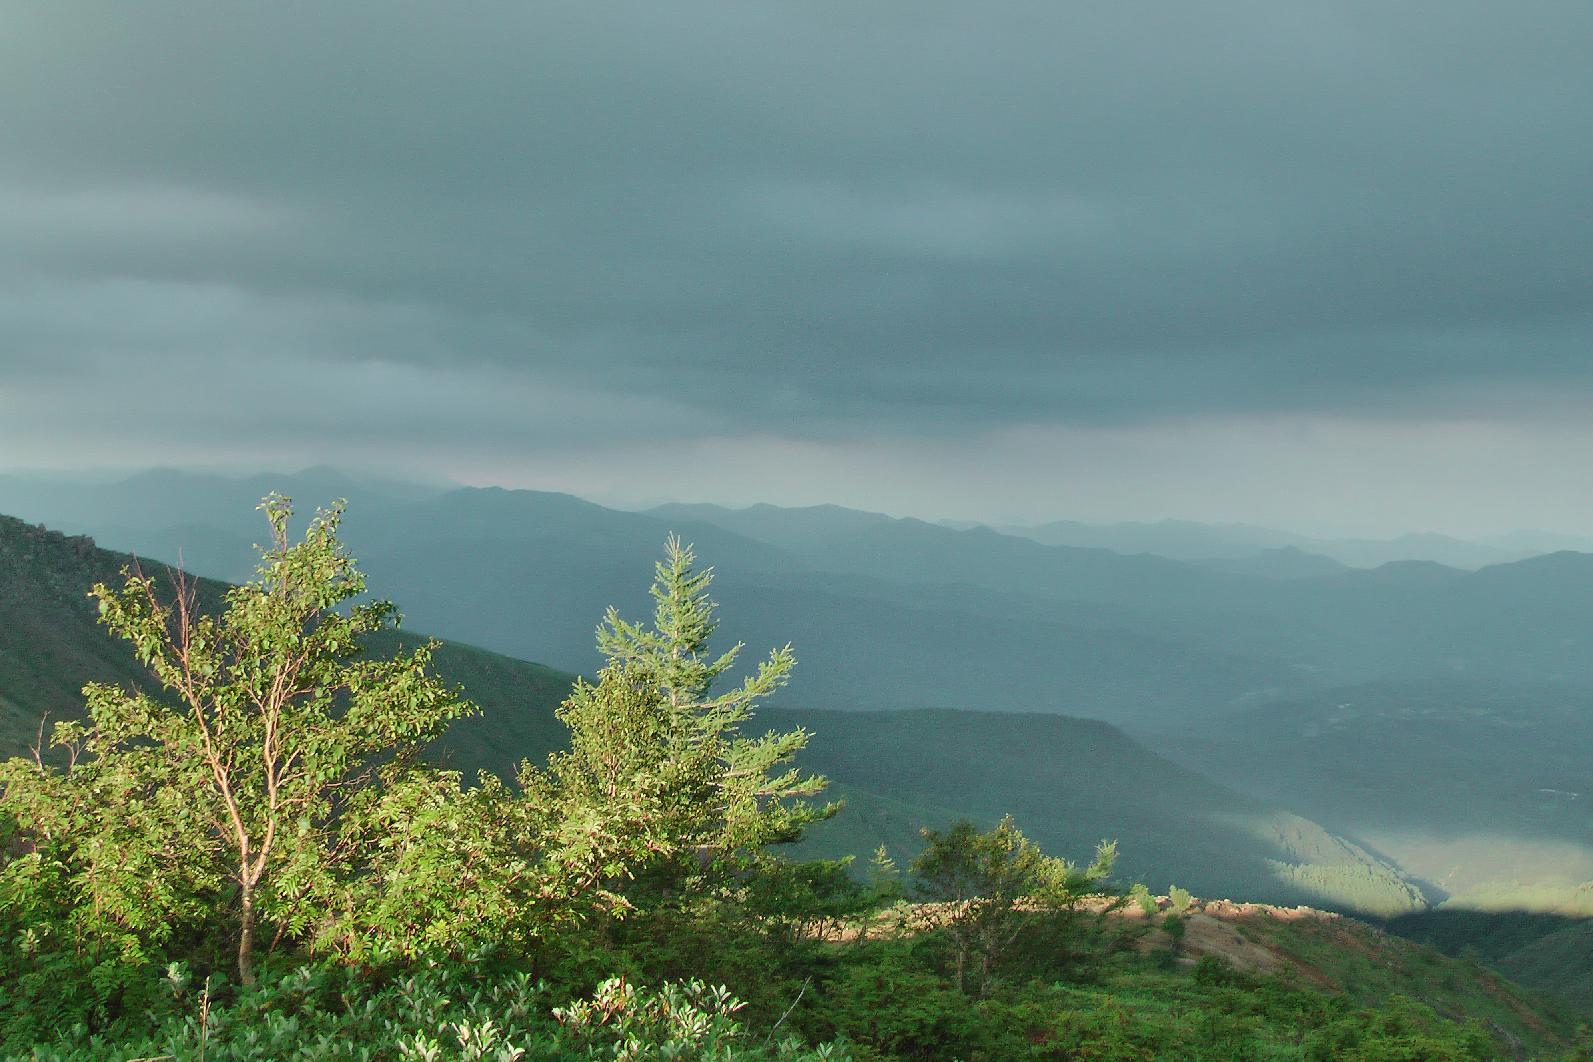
1549	953
1490	935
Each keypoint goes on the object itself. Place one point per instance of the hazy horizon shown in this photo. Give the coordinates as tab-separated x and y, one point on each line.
1293	266
88	476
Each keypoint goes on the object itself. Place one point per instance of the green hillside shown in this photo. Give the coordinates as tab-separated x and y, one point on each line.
1245	982
1071	782
1550	953
50	644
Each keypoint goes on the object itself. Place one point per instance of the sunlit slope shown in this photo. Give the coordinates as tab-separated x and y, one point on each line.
1351	961
1481	788
1073	782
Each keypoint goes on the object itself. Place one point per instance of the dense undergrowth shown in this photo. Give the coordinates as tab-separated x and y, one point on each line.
876	1000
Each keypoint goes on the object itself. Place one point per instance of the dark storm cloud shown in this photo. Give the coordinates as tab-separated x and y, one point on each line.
794	218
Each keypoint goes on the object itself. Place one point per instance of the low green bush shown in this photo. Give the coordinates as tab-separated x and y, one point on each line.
432	1014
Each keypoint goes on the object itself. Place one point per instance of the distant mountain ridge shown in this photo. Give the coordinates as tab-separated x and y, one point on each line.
889	610
1188	540
1283	562
492	567
1182	540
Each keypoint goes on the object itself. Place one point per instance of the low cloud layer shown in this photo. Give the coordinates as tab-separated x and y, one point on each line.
495	239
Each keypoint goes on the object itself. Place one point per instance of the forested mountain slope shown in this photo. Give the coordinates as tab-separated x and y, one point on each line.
50	644
1071	782
1074	782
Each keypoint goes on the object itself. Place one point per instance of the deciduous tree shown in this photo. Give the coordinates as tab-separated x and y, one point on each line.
269	727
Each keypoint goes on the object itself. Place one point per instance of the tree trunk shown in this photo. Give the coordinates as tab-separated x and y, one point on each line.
246	938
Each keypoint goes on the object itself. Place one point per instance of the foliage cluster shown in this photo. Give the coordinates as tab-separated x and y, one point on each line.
435	1012
269	789
989	888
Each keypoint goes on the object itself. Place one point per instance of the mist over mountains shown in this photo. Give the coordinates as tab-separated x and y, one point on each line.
1186	540
1234	669
890	612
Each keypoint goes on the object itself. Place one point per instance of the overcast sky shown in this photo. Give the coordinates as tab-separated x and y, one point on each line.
1325	266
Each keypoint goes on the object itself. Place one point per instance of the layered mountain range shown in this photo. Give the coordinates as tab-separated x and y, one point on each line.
1430	714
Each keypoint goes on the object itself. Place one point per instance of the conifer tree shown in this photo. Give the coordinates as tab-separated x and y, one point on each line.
987	887
651	733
